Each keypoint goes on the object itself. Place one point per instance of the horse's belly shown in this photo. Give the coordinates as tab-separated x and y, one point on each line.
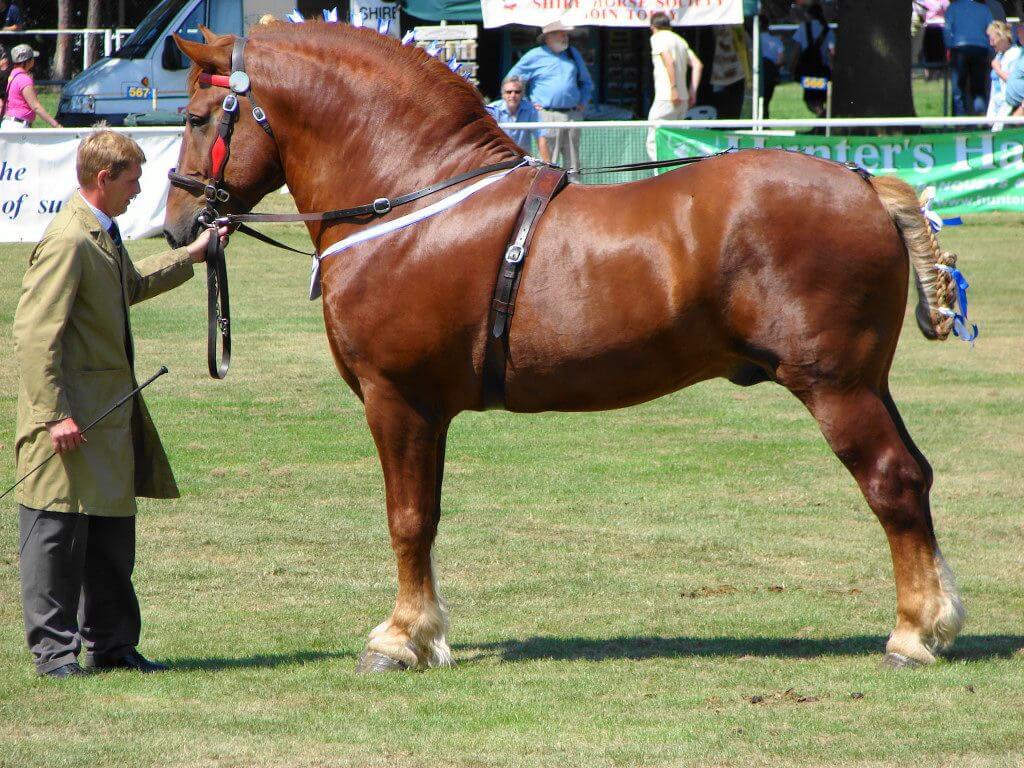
598	363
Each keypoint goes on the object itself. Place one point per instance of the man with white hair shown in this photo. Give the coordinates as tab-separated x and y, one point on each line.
559	86
512	108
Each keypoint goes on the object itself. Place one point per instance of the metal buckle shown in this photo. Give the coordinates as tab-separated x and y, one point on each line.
381	206
514	254
230	103
223	195
239	81
259	115
210	192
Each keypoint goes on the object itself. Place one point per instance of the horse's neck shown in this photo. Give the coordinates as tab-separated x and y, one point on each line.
382	148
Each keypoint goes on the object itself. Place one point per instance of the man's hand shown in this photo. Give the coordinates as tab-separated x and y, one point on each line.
65	435
676	101
197	248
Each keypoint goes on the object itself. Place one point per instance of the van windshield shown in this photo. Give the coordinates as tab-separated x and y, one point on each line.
152	29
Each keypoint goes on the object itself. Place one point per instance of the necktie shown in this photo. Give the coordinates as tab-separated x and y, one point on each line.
115	235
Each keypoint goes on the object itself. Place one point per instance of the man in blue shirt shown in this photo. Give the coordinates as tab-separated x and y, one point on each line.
967	43
559	86
512	109
10	17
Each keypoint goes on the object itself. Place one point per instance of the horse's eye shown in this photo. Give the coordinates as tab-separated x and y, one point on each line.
196	120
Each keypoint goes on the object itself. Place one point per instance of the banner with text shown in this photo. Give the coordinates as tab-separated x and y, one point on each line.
376	14
971	172
610	13
37	176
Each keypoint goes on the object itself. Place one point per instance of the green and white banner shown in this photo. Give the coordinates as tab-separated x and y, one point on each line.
971	172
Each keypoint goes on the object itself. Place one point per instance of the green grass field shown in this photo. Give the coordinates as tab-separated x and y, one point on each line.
695	581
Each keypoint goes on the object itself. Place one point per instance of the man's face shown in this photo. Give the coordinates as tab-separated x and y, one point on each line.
512	93
557	41
117	193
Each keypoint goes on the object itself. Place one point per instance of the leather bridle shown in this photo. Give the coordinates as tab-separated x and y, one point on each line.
213	191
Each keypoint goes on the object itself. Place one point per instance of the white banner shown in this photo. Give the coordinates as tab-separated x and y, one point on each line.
610	13
373	13
37	176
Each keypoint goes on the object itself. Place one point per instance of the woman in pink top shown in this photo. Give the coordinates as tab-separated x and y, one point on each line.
22	105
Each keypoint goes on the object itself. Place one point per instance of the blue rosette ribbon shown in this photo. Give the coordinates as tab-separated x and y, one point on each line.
962	329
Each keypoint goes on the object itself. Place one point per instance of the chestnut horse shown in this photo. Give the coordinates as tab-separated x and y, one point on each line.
754	266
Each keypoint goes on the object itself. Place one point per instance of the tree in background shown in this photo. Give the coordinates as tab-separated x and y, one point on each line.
871	71
61	67
63	53
94	20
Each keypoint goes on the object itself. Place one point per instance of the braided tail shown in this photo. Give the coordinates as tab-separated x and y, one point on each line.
935	288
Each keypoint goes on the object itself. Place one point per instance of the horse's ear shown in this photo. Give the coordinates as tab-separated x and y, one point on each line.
208	34
212	58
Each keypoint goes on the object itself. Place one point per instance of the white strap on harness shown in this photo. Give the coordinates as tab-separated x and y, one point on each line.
401	222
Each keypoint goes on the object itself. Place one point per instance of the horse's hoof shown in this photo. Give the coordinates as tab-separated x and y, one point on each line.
899	661
371	661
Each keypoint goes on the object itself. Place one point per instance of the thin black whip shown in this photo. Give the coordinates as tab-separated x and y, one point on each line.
111	409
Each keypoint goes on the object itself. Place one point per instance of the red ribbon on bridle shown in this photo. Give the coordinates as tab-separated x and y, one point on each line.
223	81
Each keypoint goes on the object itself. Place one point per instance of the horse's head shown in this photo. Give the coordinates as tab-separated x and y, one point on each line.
253	167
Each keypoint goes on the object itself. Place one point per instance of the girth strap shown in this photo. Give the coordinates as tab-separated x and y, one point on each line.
548	183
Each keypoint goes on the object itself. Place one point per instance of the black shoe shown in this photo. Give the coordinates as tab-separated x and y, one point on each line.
68	670
131	660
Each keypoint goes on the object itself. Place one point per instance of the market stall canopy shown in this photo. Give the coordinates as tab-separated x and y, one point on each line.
448	10
609	13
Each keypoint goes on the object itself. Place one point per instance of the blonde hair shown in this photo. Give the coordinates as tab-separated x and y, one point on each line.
1001	30
106	150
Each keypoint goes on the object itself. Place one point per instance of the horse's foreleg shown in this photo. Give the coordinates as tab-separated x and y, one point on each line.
866	435
411	448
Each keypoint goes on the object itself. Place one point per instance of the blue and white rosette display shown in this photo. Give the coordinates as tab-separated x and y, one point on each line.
962	329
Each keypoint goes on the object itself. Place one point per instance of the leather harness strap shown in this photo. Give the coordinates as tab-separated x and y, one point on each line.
218	310
548	183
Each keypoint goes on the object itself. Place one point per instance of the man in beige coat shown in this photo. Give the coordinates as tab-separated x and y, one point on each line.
75	355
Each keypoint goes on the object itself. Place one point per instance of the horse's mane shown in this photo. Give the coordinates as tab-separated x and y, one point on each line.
411	73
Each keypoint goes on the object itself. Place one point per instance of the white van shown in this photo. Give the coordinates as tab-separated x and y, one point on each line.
148	72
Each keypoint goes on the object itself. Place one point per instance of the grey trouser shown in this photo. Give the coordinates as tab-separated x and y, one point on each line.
564	143
76	586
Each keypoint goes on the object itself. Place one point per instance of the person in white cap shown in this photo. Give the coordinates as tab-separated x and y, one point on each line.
21	104
674	93
559	86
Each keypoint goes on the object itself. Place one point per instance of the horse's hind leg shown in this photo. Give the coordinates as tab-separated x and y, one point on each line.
411	447
867	434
